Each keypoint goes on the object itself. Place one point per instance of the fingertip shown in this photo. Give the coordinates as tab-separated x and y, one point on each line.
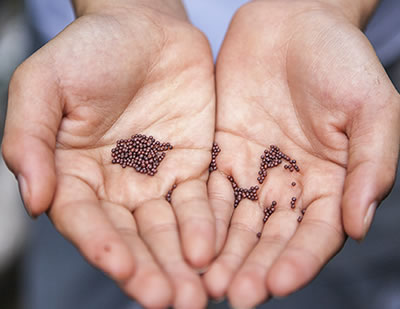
190	295
361	192
283	280
33	166
42	188
154	291
216	281
247	290
357	223
199	244
352	222
24	193
371	172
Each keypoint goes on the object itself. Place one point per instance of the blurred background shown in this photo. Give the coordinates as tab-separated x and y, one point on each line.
361	276
15	45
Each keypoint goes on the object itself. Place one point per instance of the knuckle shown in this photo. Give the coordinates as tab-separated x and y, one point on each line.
158	229
243	228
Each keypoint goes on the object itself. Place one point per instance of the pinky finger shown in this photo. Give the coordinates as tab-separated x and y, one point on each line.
77	215
319	237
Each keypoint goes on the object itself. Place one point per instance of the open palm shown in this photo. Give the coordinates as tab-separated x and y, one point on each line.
109	76
306	80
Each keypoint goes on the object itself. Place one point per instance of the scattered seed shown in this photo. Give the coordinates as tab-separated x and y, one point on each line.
259	234
242	193
300	218
268	211
272	157
169	193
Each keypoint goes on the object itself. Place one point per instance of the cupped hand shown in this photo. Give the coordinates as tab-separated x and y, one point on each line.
111	74
300	76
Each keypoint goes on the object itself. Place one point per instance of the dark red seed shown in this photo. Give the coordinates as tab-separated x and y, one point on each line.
139	152
300	218
273	203
259	234
293	199
293	184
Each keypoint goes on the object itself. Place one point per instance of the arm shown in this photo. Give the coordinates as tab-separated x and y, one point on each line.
301	75
358	12
113	73
171	7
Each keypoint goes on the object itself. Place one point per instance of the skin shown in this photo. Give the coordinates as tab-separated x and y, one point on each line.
314	92
135	67
300	75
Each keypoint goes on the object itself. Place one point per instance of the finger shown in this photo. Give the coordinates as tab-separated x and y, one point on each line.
148	284
246	223
77	215
318	238
196	222
248	286
373	153
33	117
221	200
158	228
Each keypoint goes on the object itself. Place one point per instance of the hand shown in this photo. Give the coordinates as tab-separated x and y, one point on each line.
303	77
111	74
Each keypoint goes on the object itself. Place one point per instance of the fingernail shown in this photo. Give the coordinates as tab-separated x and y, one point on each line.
368	218
24	192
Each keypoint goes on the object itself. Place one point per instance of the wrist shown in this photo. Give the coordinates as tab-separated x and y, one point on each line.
170	7
357	12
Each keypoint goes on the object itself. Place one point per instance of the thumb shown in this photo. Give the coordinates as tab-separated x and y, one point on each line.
33	117
374	139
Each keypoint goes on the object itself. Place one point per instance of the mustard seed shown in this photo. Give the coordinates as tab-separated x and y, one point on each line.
140	152
168	197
